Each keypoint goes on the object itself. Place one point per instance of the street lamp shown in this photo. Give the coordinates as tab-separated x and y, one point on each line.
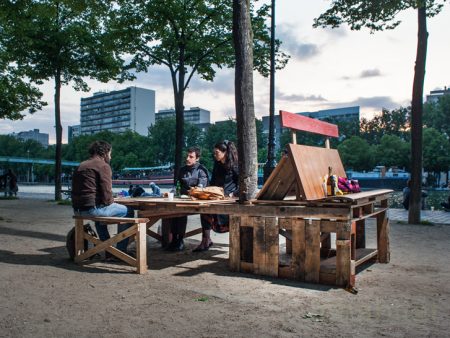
270	164
28	171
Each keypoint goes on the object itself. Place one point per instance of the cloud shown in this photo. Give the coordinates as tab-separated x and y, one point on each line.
290	43
370	73
375	102
298	97
375	72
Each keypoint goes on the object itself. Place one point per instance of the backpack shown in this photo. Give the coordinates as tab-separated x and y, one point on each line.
348	186
138	191
70	240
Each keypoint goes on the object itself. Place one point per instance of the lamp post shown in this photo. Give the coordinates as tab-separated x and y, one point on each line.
270	164
28	171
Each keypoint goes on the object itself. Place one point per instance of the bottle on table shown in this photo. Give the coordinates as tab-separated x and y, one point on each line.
331	183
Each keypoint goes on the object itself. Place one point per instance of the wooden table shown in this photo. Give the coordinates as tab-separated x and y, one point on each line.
307	225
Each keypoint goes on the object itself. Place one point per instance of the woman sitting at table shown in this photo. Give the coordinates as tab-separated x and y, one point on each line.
226	175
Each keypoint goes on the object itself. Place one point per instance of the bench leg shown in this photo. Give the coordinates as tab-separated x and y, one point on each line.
141	248
79	237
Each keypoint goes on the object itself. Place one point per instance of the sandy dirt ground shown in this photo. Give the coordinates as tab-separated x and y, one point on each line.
44	294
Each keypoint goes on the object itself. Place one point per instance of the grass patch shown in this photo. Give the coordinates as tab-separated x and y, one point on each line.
423	222
202	299
9	198
64	202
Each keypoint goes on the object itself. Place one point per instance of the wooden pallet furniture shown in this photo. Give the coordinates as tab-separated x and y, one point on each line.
296	184
138	230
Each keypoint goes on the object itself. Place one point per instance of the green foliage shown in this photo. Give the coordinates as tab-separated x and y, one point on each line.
436	151
437	115
395	122
357	154
392	152
374	15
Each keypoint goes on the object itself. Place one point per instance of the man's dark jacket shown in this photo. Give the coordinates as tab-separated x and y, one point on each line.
192	176
92	184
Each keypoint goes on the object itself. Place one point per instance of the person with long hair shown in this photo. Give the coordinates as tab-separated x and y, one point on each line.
226	175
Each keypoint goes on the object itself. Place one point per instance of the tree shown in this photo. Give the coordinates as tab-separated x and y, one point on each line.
395	122
437	115
392	152
245	108
16	95
189	37
436	151
380	15
63	41
356	154
161	147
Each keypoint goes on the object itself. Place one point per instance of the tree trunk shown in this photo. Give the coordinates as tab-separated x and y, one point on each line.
179	114
58	128
245	112
416	119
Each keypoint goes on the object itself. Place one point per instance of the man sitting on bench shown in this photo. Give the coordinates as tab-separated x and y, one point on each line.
92	192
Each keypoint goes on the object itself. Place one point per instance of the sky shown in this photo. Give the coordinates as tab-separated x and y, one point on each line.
328	68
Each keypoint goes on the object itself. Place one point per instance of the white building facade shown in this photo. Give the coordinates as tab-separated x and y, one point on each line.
132	108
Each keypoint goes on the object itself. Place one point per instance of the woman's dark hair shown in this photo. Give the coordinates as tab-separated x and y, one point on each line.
231	155
99	148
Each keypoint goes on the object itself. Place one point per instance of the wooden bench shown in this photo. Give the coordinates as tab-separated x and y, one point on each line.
138	229
296	185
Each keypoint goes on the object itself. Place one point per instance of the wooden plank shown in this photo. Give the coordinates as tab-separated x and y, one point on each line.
246	267
259	246
235	243
298	249
193	232
246	239
272	246
311	165
364	255
285	272
343	255
304	123
113	220
103	245
141	248
279	183
360	240
327	278
327	226
325	244
79	237
384	253
312	252
114	251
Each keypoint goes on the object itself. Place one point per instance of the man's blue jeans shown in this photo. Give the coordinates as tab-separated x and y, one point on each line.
112	210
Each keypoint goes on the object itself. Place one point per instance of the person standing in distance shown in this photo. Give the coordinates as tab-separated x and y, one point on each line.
193	174
92	192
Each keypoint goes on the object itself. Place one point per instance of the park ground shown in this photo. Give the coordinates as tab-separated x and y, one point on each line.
184	294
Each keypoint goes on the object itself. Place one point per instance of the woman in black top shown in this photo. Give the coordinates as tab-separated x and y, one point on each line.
226	175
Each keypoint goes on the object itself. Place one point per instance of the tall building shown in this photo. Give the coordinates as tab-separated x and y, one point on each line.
73	131
34	134
340	114
132	108
194	115
435	95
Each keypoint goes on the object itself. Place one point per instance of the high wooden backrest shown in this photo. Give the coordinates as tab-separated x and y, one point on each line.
303	168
